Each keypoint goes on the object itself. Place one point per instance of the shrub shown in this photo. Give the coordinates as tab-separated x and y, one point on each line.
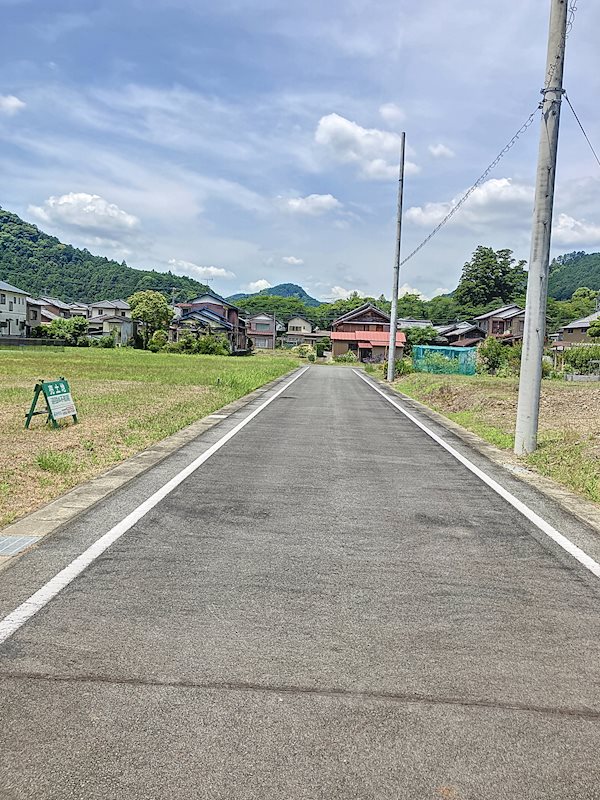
211	345
439	364
302	350
579	359
158	341
320	349
347	358
312	357
403	366
106	341
491	356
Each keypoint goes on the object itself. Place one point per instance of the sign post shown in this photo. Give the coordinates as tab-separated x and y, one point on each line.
59	402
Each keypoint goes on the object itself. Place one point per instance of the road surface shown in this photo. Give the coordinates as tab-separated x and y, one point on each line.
330	606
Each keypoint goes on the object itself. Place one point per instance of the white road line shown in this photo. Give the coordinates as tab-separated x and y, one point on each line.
527	512
13	621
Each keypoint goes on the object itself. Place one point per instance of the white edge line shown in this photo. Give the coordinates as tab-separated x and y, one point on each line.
13	621
566	544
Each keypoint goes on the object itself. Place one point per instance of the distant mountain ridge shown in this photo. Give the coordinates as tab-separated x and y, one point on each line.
42	265
281	290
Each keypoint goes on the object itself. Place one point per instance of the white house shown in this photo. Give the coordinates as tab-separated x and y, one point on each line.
13	310
113	308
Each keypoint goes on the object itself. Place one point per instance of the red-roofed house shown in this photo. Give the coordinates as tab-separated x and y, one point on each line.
366	332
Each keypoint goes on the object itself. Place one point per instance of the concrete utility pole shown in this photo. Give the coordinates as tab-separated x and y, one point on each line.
394	314
537	283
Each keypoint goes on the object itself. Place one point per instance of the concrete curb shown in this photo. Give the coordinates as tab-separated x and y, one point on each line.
570	502
76	501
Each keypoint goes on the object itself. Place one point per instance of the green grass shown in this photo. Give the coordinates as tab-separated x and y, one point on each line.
51	461
568	443
126	400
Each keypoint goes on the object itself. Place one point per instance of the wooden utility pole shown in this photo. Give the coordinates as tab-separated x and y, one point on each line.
537	283
394	315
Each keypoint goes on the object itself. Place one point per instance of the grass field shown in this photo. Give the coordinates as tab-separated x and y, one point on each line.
126	401
569	439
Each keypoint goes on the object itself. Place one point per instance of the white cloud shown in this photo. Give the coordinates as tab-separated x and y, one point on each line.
408	289
441	151
10	105
296	262
258	286
85	211
494	199
375	152
568	230
339	293
392	113
201	272
313	204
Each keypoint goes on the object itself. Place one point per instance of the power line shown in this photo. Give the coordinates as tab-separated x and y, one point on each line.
587	138
476	185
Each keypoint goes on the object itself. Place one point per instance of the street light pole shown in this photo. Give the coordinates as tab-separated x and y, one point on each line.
537	283
394	311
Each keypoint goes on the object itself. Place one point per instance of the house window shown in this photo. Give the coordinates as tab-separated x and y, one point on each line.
122	313
10	305
569	330
3	299
33	314
263	326
497	326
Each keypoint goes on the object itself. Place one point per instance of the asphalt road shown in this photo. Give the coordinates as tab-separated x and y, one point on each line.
330	607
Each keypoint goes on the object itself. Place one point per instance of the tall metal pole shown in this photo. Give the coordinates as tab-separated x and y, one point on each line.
394	315
537	284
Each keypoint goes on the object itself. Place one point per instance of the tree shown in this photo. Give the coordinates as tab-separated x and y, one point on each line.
152	309
415	336
71	331
489	277
594	330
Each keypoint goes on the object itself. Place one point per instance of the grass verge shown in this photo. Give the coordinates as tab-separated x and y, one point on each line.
126	400
569	434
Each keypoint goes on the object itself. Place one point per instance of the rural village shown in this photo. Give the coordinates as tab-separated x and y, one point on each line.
300	399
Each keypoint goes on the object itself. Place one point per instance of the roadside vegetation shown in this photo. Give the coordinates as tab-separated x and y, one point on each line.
126	400
569	438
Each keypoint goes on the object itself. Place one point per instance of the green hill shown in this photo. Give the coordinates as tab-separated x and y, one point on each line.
571	271
281	290
41	264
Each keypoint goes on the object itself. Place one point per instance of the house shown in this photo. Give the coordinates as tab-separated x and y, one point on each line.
115	308
263	330
461	334
121	328
57	307
365	331
203	322
575	333
13	310
38	314
300	331
505	323
79	310
409	322
227	315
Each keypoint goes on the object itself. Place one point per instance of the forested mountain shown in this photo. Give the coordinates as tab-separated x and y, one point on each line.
569	272
281	290
41	264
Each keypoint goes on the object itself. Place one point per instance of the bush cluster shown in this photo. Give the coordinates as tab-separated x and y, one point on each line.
580	360
190	344
347	358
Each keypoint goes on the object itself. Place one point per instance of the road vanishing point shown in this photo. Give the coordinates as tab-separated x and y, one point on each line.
319	598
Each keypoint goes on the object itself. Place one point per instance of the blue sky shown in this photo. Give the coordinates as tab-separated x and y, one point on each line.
254	143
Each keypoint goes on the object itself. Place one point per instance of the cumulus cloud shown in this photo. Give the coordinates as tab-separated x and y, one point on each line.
258	286
392	113
10	105
374	152
493	200
408	289
84	211
296	262
568	230
201	272
441	151
340	293
313	204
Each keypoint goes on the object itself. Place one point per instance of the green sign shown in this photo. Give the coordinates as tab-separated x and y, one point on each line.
59	402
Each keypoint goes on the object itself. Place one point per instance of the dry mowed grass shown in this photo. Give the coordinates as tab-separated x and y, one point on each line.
569	439
126	401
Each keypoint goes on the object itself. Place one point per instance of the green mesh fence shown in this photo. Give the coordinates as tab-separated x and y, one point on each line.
444	360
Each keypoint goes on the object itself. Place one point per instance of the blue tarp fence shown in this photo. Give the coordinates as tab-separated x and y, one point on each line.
445	360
